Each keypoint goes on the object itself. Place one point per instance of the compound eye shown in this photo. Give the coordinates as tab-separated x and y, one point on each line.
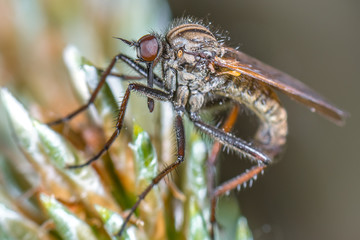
148	48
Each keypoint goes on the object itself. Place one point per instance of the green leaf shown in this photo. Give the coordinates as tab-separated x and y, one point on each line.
196	167
197	223
45	146
85	78
15	181
146	166
22	125
15	226
243	231
67	224
113	222
61	154
196	205
146	169
234	225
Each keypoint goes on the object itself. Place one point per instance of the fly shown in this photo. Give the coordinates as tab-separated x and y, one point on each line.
196	69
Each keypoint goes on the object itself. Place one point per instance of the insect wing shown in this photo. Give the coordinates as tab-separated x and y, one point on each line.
244	64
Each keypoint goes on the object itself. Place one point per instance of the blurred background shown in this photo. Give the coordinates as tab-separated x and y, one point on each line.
313	193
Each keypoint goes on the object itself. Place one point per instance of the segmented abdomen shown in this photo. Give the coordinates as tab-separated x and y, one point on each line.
261	100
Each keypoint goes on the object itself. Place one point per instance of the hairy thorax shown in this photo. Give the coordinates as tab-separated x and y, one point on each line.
188	48
188	72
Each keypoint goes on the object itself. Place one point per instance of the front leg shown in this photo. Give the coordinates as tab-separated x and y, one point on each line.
134	65
149	92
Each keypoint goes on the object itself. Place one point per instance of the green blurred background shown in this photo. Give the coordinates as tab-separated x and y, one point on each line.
313	193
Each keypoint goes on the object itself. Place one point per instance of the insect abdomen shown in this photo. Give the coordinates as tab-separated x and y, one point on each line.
261	100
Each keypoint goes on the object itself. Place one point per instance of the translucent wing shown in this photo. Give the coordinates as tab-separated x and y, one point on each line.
244	64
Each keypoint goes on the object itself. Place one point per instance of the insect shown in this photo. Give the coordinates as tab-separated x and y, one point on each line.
199	69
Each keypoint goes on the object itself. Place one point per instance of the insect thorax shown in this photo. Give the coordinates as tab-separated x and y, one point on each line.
187	48
187	53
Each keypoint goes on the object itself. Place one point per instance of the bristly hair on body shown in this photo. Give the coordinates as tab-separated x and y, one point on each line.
220	35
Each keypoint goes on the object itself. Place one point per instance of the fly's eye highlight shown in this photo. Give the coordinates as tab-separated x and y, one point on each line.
148	48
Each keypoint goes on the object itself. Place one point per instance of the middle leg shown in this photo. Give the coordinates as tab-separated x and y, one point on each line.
231	141
180	137
238	145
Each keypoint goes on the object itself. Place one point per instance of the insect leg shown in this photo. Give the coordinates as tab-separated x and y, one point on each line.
150	81
238	180
93	95
122	76
136	66
231	184
180	137
149	92
141	70
231	141
229	123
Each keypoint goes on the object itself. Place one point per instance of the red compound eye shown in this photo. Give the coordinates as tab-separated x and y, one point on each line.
148	48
